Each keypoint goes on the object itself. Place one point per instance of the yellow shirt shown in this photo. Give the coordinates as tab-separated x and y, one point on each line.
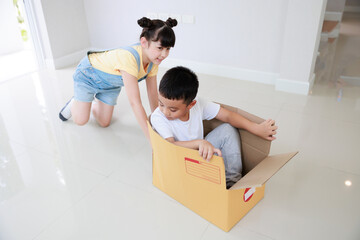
113	61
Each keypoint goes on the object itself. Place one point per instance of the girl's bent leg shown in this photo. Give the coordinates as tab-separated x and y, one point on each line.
103	113
81	112
65	113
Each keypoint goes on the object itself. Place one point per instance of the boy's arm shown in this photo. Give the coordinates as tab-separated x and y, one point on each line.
206	149
266	129
151	86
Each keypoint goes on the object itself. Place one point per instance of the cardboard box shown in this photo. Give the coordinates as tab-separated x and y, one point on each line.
201	186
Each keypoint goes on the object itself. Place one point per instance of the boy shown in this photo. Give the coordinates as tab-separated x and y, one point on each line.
179	120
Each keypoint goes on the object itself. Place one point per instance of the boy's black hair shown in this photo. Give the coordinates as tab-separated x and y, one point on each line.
179	83
155	30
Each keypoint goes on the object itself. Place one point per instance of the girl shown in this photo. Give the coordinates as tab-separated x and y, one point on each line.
102	74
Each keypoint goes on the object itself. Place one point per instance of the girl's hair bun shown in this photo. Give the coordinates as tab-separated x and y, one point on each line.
171	22
144	22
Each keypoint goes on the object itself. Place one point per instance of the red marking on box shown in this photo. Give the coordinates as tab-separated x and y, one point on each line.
203	170
249	192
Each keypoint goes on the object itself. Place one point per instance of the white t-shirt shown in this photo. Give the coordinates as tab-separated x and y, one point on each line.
188	130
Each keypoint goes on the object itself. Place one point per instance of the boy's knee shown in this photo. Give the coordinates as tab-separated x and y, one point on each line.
228	128
231	136
227	125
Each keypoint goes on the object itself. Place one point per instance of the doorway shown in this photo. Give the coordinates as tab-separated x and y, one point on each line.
17	52
338	58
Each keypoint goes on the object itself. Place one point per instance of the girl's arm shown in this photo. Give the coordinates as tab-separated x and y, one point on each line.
152	91
266	129
133	93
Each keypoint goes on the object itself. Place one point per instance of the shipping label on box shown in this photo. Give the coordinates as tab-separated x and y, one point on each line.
201	186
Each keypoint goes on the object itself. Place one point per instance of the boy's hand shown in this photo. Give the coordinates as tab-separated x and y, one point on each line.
206	150
267	129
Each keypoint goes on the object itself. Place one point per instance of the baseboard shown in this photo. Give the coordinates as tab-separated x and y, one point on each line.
223	71
291	86
351	80
333	34
333	16
311	82
69	60
285	85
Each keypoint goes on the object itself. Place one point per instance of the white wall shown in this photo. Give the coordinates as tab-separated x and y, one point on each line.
300	44
237	33
334	10
352	6
353	3
10	38
335	5
63	30
251	40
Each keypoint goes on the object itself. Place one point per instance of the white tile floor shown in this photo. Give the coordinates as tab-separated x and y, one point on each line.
21	62
61	181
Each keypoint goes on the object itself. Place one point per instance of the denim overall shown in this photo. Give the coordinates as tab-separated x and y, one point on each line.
90	82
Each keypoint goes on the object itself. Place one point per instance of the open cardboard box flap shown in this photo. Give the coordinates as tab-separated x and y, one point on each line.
258	167
263	171
201	186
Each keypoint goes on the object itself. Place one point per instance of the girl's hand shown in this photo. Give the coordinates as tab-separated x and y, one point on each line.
206	150
267	129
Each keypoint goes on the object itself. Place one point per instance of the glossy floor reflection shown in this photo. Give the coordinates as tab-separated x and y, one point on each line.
18	63
61	181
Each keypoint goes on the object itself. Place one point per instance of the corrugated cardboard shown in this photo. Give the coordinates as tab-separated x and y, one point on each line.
200	185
